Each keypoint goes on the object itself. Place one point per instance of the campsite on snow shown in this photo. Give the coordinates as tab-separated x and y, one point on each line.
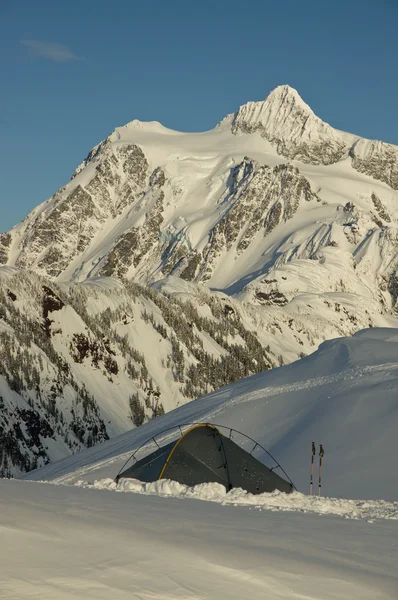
231	543
199	321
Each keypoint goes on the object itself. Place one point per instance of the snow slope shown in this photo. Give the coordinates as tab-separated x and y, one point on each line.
343	396
67	542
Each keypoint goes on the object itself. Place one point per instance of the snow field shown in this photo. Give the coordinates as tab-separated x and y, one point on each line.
62	542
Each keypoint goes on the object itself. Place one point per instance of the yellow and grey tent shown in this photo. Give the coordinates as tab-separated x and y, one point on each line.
204	455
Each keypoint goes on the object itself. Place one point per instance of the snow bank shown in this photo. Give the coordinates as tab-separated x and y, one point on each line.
277	501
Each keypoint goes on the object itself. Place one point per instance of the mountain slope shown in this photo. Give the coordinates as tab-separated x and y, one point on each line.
343	396
84	362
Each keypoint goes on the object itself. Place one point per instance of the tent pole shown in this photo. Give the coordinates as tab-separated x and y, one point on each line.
321	454
312	466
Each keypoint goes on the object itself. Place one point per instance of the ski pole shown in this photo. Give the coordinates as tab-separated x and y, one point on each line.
321	455
312	467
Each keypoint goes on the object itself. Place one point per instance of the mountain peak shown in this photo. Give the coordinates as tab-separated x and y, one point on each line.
154	126
289	124
281	102
284	94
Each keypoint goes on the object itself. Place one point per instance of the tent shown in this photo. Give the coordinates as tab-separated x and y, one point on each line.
204	455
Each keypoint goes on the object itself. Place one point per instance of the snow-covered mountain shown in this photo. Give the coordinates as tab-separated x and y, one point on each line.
174	263
270	185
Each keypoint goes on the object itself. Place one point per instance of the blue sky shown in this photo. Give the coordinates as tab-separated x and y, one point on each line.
72	71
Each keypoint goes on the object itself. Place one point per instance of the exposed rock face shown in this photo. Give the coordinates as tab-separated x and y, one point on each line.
377	159
71	217
381	247
260	198
5	241
380	208
291	126
64	229
92	155
132	246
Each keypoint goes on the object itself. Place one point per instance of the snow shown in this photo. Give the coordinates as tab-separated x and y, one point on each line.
280	117
334	267
69	542
69	531
343	396
369	510
197	168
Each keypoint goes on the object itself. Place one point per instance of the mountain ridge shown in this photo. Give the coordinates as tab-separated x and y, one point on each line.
117	172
